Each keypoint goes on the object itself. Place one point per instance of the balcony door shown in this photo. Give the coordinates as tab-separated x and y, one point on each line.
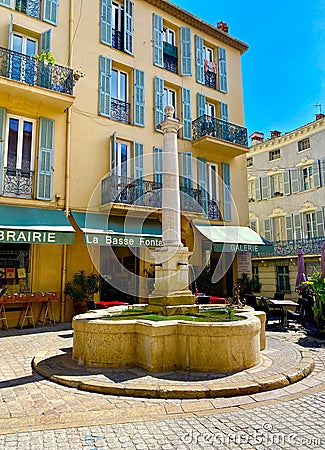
23	65
19	157
213	199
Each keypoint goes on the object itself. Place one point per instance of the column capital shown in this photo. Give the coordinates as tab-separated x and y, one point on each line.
170	125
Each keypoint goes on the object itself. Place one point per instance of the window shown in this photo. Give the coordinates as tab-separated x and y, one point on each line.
277	185
210	109
307	178
122	159
282	279
170	51
23	66
311	225
120	109
213	192
303	145
169	36
279	231
210	69
15	256
19	157
39	9
208	54
249	162
170	98
116	24
274	154
251	191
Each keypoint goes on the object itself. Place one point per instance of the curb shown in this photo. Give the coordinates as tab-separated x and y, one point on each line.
198	391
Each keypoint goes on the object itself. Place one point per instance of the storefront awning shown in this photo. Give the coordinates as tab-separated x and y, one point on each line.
231	238
20	225
116	231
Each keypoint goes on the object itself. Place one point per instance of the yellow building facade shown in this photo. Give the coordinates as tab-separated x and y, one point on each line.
89	150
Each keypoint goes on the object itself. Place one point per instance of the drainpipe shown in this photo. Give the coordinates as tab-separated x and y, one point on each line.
67	165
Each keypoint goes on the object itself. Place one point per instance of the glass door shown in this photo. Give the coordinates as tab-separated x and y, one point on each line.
23	65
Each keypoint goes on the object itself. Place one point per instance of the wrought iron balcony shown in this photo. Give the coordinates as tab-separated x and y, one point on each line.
117	39
210	79
18	183
139	192
220	129
214	210
26	69
30	7
170	53
311	246
120	110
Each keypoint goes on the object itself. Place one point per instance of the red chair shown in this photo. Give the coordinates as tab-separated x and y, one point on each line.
217	300
105	305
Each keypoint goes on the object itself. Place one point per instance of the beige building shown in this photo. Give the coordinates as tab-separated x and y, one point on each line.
286	190
82	156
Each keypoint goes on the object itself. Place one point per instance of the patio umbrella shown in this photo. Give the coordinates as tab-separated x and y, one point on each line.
322	262
301	277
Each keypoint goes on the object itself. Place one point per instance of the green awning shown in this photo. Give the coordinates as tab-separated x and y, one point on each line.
230	238
118	231
20	225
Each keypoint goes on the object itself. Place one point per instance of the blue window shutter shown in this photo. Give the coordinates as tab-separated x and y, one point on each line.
2	140
187	116
265	187
186	54
157	24
50	13
46	40
187	170
267	229
295	180
128	26
159	101
226	192
222	65
139	97
158	166
10	39
105	72
316	174
224	111
322	165
6	3
201	101
45	159
202	179
199	59
112	151
320	222
105	27
138	170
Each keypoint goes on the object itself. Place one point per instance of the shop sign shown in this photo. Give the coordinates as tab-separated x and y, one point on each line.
35	237
237	248
122	240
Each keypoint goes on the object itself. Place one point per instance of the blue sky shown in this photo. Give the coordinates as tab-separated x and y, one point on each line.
284	68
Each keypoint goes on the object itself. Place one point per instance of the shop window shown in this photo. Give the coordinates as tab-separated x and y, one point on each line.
14	267
19	157
282	279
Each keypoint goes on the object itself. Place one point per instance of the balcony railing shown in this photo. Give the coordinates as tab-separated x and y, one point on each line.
210	79
117	39
220	129
214	210
311	246
26	69
30	7
170	57
120	110
128	191
18	183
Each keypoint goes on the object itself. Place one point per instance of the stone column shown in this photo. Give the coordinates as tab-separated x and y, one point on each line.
171	294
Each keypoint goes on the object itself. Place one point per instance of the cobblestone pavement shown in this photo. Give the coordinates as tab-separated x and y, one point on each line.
38	414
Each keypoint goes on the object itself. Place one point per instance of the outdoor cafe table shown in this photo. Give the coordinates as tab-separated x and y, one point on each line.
283	305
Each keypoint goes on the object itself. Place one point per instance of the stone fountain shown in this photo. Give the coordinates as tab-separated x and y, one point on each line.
228	346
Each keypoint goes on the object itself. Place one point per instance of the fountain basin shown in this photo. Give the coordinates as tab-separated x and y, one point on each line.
167	345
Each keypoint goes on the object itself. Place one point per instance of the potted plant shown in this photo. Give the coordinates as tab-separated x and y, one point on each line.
82	288
317	285
45	57
78	73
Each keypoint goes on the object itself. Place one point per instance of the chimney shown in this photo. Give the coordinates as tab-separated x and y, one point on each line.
257	137
319	116
275	133
223	26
